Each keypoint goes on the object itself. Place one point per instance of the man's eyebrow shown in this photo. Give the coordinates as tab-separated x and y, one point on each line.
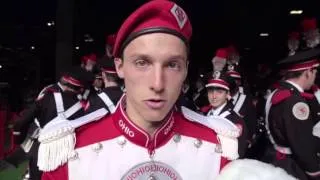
140	55
148	57
177	57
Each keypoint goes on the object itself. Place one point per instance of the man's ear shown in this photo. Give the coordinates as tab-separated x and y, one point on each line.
118	62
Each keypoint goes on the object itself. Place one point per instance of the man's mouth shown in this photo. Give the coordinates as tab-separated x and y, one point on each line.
155	103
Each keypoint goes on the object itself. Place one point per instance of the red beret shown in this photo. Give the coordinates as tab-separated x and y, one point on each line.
91	57
222	53
155	16
309	24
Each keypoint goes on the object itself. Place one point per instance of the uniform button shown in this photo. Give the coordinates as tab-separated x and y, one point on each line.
152	177
177	138
122	141
197	143
97	147
73	156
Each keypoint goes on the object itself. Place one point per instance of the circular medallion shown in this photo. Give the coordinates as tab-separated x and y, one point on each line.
301	111
152	170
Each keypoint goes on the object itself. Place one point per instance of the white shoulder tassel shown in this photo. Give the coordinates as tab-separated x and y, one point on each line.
55	148
220	125
229	147
227	132
57	139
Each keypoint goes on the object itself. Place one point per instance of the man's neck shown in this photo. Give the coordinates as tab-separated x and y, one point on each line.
217	110
148	126
297	83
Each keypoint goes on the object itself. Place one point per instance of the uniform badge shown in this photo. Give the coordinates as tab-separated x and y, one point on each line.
301	111
180	15
153	170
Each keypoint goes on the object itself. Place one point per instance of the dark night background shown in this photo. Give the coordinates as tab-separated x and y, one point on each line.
28	44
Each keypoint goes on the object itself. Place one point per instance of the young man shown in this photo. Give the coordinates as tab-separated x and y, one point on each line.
63	94
146	138
288	118
218	89
109	95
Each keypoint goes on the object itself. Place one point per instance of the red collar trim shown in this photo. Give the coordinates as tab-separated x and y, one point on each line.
307	95
137	135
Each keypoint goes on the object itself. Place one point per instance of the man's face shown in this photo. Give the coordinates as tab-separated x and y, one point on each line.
217	97
154	67
98	83
89	65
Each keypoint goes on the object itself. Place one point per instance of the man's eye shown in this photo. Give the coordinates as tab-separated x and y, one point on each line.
141	63
174	65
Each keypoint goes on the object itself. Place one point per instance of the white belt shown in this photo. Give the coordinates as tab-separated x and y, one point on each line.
283	150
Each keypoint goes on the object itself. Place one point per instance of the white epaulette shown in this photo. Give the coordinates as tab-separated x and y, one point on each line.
57	139
227	132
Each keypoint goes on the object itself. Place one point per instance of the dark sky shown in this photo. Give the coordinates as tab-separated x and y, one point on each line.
215	24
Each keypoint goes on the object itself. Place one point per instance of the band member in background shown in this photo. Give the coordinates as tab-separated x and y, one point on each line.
289	120
219	90
66	92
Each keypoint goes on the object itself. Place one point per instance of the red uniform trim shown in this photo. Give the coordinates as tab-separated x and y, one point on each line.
61	173
280	96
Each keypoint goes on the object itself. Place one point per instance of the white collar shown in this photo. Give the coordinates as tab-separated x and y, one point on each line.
217	111
300	89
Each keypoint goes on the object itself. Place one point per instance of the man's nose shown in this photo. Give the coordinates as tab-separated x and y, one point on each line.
158	79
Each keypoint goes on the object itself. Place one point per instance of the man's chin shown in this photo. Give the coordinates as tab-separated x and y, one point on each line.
156	116
215	105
